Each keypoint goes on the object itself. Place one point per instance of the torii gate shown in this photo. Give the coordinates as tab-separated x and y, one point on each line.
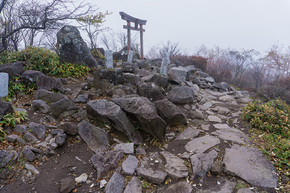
137	22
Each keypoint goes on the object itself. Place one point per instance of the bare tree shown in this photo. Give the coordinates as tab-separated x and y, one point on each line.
38	15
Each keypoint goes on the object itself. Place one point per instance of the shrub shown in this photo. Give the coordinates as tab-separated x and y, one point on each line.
44	60
197	61
272	116
271	122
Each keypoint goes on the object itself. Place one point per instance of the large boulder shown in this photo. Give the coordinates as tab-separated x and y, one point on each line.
109	112
48	96
150	90
181	95
63	108
30	76
96	138
14	69
72	48
170	113
5	108
144	113
49	83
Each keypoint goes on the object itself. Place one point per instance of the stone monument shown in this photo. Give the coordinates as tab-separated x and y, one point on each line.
4	78
109	59
130	56
164	65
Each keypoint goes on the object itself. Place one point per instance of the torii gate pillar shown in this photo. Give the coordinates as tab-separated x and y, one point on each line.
137	22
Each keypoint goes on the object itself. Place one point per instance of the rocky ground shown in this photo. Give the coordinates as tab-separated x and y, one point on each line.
132	130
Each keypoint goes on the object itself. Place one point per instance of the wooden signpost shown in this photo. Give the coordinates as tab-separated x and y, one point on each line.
137	22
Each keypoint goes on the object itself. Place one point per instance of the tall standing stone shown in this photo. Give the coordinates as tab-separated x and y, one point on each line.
4	78
130	56
164	65
71	47
109	59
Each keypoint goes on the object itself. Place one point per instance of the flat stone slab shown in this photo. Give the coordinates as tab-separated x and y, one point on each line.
201	144
129	165
188	133
251	165
181	187
174	165
125	147
201	163
222	186
151	169
134	186
214	119
232	134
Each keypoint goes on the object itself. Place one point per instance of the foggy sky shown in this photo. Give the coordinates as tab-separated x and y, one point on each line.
238	24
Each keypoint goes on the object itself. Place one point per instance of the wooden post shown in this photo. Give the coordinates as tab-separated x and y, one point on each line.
128	37
141	41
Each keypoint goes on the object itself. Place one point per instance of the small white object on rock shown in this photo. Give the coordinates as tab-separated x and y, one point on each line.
82	178
103	183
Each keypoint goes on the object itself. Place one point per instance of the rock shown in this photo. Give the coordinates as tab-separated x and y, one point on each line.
226	98
82	178
170	113
205	127
217	167
29	137
144	112
82	98
30	76
20	128
72	48
28	154
221	110
151	169
202	163
5	108
12	138
56	131
5	157
140	151
116	184
37	129
48	96
231	134
206	106
103	183
134	186
131	78
188	133
129	165
150	90
222	186
214	119
14	69
106	161
125	148
245	190
251	165
179	74
95	137
49	83
67	185
181	95
196	114
60	139
69	128
201	144
109	112
63	108
174	165
40	105
220	86
209	79
31	168
180	187
160	80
